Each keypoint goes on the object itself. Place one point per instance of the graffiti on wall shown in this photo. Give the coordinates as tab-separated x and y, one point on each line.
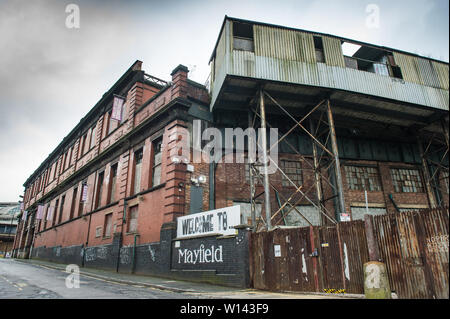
125	255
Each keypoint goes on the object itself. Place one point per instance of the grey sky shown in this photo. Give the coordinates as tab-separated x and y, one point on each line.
50	76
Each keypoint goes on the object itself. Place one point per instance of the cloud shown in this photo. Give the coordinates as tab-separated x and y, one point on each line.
51	76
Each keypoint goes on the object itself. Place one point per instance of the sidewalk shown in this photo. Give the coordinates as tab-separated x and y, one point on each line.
201	289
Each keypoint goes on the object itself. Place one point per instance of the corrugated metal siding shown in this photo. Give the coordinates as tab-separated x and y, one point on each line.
422	71
220	52
427	73
442	74
289	56
408	67
283	44
333	52
416	268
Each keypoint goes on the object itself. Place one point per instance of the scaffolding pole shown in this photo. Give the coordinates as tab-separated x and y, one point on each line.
337	165
265	159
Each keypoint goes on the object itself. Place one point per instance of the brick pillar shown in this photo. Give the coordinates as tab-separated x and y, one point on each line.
179	80
135	98
98	136
122	192
174	195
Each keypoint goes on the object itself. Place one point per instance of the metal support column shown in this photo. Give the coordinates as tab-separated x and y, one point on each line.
426	174
250	160
340	187
317	176
265	160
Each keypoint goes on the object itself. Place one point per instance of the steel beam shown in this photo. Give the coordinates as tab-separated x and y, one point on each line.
265	160
426	174
317	176
340	187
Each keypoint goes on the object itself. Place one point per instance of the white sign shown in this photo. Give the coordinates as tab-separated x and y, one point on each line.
277	250
345	217
84	194
213	222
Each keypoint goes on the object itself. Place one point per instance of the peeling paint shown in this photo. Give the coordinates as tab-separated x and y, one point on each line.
346	268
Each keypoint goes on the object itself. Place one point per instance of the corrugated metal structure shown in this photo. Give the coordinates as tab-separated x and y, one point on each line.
310	259
288	55
414	246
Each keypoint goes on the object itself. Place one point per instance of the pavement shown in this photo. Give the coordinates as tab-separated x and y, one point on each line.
193	289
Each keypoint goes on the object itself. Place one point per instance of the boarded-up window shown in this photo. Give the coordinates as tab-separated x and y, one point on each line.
157	155
363	178
407	180
359	212
99	190
61	209
112	183
302	215
137	170
132	219
108	225
92	143
246	212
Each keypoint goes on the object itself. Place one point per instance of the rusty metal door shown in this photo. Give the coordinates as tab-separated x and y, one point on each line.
287	260
281	260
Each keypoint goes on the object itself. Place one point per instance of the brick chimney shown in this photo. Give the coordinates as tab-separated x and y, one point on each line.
179	80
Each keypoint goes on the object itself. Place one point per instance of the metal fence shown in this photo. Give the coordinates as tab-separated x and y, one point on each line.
310	259
414	246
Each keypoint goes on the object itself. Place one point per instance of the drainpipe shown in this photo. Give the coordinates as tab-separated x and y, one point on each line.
212	187
124	221
393	202
133	266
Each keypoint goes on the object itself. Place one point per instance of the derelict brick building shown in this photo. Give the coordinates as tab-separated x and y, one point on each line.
361	134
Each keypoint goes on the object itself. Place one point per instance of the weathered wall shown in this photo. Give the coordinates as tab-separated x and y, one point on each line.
163	258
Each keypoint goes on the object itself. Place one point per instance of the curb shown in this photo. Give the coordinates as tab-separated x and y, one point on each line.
128	282
179	290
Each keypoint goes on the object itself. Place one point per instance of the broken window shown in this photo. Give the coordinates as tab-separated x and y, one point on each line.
318	46
243	36
137	170
396	72
293	171
363	178
157	157
107	225
132	219
407	180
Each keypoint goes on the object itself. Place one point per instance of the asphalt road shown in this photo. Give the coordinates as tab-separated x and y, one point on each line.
26	281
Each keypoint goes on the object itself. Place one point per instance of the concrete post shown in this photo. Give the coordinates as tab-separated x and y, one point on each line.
376	282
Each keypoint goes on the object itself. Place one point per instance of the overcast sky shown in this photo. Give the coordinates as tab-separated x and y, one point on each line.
51	76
